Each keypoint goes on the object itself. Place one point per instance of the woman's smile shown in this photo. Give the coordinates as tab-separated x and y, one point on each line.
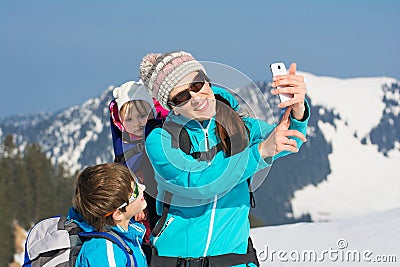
202	106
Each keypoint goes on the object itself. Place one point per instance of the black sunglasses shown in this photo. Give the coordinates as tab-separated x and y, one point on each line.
195	86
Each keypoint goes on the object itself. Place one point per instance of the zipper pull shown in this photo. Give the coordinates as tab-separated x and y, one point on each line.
206	139
165	226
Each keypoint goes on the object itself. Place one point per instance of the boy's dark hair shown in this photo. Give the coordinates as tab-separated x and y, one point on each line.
101	189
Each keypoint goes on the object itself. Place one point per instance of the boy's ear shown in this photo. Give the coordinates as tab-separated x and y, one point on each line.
117	215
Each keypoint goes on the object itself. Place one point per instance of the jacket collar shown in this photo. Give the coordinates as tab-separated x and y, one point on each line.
135	229
190	123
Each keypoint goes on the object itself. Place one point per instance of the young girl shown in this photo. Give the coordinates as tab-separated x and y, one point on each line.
106	198
206	215
130	111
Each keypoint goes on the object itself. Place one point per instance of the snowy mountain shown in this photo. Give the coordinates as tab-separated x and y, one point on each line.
77	136
365	148
346	168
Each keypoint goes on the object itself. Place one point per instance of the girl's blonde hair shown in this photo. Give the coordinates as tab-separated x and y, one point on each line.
135	107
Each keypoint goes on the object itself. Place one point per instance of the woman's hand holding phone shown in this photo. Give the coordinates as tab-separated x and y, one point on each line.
290	87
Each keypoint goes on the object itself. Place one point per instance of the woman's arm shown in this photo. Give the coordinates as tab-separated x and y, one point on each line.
183	175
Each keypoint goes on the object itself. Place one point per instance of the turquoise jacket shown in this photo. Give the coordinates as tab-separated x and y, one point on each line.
210	204
103	253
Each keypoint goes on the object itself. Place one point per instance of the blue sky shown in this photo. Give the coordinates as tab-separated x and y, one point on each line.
58	53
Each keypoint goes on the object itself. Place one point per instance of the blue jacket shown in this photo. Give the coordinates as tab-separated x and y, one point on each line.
210	200
101	252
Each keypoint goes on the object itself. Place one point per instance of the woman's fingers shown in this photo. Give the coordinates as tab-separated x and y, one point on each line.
285	118
291	102
287	79
289	148
292	68
300	88
280	140
298	92
294	133
284	140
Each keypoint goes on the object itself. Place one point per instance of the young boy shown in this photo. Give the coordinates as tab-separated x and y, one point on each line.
106	199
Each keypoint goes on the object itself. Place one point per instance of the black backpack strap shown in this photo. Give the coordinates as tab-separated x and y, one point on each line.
179	136
125	156
152	124
116	239
207	155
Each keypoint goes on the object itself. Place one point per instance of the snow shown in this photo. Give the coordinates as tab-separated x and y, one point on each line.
352	98
362	179
356	241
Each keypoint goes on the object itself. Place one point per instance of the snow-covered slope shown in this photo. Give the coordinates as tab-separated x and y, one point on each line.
355	241
358	100
368	240
362	180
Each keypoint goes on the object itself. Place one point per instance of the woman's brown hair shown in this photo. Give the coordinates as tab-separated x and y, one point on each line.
101	189
230	128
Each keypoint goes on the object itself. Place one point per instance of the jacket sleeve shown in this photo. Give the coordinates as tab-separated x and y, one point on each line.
299	125
260	130
182	175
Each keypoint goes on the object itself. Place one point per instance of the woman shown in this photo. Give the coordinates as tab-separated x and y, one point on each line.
206	223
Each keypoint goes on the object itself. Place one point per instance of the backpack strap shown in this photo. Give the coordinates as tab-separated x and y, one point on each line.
125	156
116	239
181	139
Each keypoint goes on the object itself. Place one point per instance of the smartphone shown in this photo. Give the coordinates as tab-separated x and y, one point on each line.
280	69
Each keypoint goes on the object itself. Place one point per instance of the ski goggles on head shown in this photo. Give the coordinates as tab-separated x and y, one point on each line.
195	86
133	197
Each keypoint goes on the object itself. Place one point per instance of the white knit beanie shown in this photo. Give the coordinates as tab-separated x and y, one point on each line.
161	73
133	91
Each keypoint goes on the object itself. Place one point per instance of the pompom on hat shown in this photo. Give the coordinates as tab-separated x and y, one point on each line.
162	72
133	91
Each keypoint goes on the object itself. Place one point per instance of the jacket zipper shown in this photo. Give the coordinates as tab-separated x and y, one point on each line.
212	216
211	227
163	229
